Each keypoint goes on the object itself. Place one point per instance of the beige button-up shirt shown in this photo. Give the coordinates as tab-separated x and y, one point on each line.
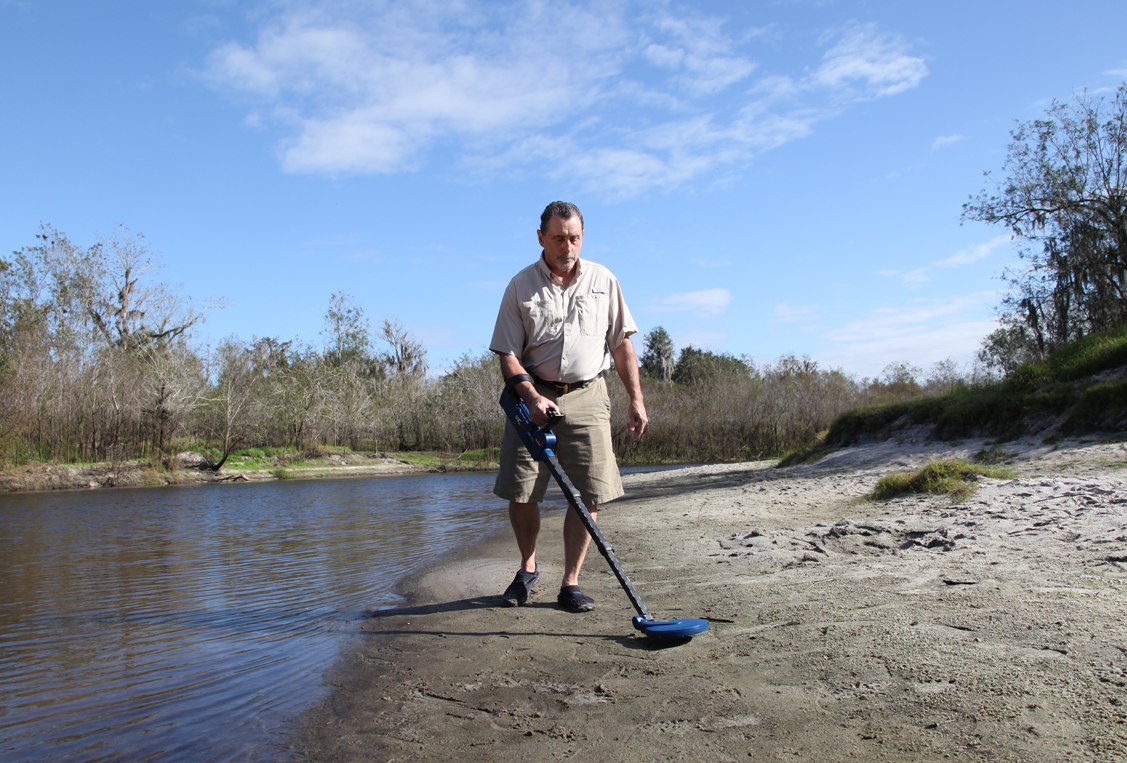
563	335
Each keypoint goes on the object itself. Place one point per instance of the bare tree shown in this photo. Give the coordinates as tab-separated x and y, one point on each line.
297	392
406	358
130	311
240	370
173	384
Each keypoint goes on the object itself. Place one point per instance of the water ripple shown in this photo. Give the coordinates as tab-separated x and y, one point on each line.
190	623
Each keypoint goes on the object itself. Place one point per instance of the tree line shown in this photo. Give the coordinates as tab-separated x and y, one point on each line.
98	363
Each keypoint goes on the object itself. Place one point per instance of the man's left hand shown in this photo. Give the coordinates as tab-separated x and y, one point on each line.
637	419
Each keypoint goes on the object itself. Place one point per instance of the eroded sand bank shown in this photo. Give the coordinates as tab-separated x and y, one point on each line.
911	629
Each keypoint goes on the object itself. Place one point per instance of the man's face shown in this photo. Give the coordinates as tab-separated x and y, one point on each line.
562	242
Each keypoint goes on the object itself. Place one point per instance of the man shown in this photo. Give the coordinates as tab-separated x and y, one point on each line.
561	321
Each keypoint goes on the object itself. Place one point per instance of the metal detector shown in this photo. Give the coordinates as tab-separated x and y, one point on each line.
541	444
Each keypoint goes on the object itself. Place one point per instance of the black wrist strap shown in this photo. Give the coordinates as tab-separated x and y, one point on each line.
516	379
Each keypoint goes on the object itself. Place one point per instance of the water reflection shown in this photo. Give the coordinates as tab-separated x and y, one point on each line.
190	622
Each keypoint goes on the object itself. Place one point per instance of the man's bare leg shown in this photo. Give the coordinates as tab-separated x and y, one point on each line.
525	519
576	540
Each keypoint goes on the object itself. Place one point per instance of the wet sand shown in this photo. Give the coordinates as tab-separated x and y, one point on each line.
911	629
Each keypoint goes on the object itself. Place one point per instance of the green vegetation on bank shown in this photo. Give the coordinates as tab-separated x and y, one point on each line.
953	477
1082	387
283	462
800	456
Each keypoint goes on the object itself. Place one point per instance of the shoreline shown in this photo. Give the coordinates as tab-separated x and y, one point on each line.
905	629
36	478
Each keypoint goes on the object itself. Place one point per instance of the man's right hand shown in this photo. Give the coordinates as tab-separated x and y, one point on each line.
538	405
538	409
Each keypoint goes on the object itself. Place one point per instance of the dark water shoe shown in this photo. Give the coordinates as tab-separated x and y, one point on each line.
574	600
517	592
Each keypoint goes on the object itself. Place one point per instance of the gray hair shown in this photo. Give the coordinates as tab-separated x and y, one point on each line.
561	209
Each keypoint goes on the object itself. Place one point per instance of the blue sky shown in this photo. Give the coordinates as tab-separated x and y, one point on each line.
764	178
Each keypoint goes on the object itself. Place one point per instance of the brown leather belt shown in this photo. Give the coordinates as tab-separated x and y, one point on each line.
561	388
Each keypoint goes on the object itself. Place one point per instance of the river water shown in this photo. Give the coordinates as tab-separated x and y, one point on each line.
191	623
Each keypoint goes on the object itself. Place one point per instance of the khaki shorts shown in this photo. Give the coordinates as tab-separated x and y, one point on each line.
583	447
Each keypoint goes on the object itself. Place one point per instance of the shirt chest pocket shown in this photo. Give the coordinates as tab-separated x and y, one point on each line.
541	320
593	318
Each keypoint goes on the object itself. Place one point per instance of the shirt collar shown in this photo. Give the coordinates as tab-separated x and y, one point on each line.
552	277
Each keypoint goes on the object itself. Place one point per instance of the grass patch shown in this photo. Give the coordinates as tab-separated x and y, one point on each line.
420	457
804	456
281	474
992	456
1062	386
954	477
472	457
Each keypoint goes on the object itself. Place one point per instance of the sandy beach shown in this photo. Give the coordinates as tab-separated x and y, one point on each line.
905	630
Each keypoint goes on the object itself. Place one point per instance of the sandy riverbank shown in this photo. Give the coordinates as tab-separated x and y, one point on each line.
910	630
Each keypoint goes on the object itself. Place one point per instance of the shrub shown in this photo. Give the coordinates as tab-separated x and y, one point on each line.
954	477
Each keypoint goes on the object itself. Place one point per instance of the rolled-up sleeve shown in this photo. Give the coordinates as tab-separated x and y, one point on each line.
508	333
620	323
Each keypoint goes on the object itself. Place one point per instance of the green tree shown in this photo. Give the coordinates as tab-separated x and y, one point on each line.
1008	347
1065	194
346	332
696	366
944	376
658	359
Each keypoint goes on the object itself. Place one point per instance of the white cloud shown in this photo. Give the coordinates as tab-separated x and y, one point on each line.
904	320
905	170
702	340
631	97
946	140
708	301
916	277
788	312
699	53
870	64
349	143
922	332
974	253
968	256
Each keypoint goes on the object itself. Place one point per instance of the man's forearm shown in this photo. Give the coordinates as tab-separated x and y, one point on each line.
627	366
538	405
510	367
